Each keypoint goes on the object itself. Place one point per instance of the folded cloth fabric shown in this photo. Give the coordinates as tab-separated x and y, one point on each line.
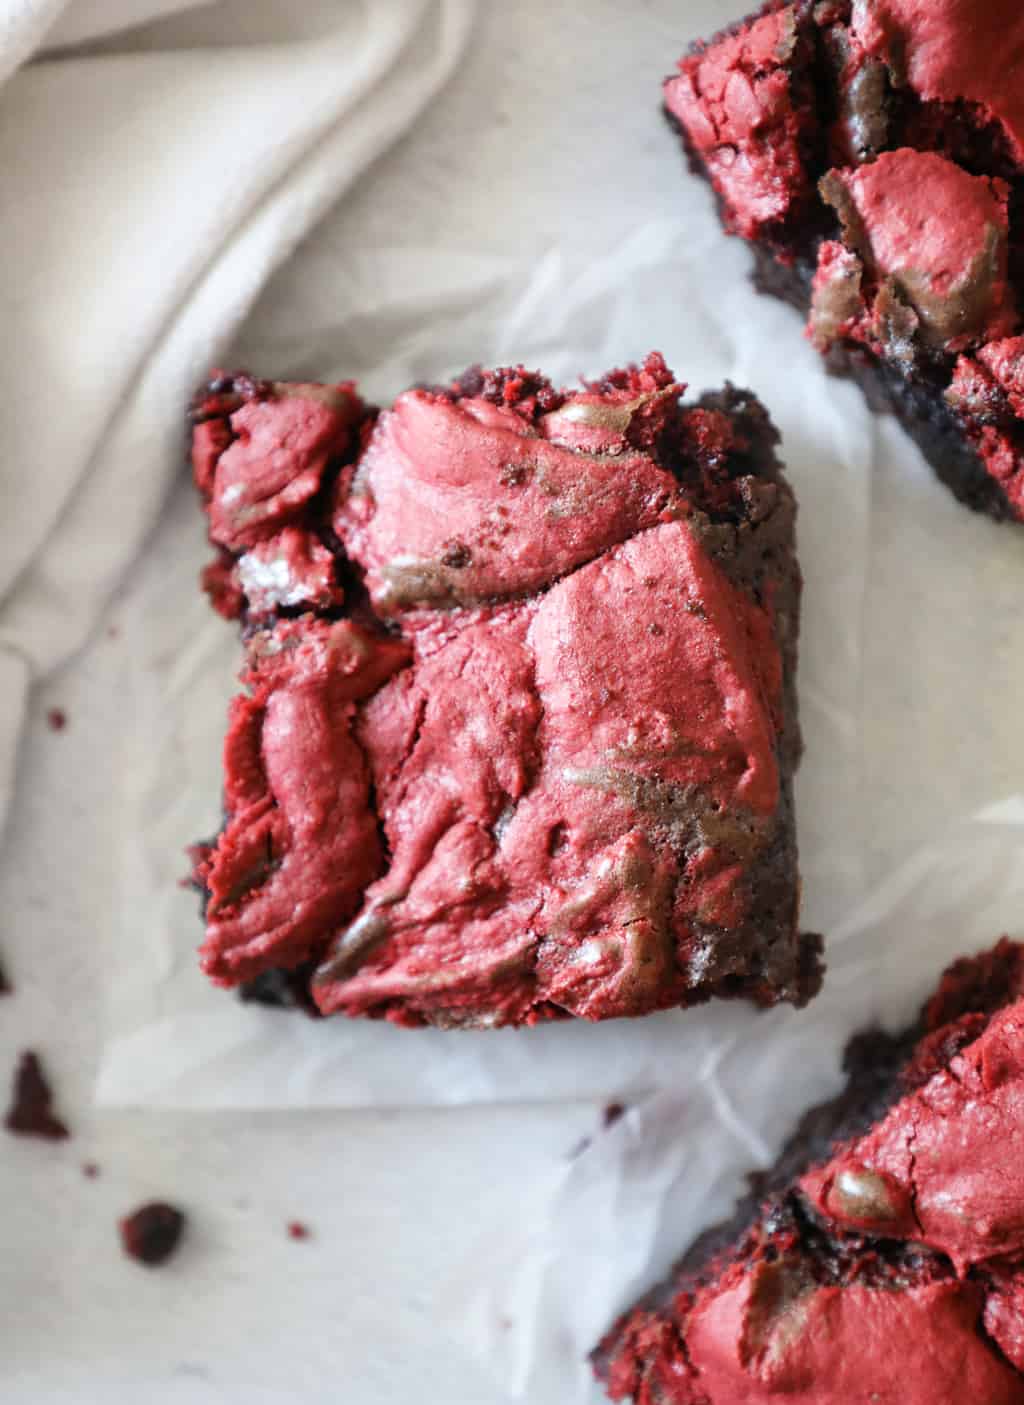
145	198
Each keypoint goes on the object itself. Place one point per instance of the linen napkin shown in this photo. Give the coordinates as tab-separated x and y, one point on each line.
146	195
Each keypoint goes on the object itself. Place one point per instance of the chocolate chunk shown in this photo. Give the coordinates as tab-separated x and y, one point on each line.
895	324
864	110
861	1195
776	1311
863	94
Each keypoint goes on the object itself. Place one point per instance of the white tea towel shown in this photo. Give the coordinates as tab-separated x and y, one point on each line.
145	198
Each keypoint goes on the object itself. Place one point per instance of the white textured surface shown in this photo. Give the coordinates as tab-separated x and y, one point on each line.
547	145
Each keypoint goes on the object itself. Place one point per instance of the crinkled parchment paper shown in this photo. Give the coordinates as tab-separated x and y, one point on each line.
911	671
174	1041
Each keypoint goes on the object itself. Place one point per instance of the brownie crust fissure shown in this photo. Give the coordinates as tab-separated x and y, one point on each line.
882	1257
519	724
873	158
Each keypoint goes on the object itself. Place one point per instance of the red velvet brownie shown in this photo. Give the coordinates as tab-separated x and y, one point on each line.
882	1259
519	722
873	156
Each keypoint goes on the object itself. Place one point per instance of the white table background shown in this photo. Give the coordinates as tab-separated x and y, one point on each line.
549	137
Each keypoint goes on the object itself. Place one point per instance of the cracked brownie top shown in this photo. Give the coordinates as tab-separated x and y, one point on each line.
519	720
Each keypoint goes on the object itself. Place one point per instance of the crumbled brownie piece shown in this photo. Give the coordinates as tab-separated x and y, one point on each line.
31	1111
538	761
883	1256
151	1233
873	156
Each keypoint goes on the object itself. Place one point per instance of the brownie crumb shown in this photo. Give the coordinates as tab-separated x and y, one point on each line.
527	392
152	1232
56	719
298	1230
31	1111
612	1113
90	1170
457	555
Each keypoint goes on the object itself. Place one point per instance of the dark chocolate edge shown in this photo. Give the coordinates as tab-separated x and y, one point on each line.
787	963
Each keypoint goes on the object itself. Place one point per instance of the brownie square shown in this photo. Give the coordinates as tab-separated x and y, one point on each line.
873	157
519	724
882	1257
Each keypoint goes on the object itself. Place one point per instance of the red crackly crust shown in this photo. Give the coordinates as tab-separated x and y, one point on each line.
523	844
547	772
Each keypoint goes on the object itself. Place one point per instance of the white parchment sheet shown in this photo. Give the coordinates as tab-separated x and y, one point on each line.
911	672
544	1285
174	1041
539	211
